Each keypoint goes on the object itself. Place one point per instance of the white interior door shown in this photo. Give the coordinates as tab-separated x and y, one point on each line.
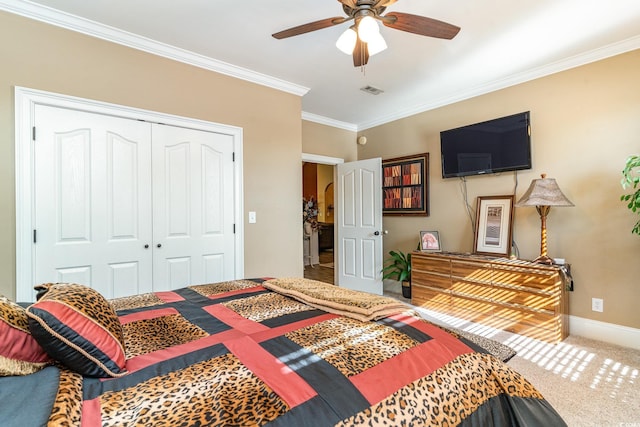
91	201
359	225
193	214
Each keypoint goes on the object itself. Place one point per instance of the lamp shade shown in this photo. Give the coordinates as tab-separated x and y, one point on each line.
544	192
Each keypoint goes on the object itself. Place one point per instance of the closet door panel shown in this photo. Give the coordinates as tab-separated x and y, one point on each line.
178	272
92	202
123	190
214	268
213	202
77	274
71	171
193	207
177	194
122	272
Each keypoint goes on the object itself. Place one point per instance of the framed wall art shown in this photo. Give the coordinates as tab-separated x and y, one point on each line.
494	223
430	241
405	185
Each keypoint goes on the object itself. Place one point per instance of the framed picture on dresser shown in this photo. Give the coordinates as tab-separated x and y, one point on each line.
494	224
405	183
430	241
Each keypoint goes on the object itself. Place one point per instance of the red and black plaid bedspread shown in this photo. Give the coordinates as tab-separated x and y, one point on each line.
235	353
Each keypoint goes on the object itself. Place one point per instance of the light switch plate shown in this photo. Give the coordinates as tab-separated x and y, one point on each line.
252	217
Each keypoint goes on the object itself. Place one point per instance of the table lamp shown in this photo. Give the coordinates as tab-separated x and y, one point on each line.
543	193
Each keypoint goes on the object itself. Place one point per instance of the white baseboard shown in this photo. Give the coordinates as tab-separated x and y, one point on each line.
607	332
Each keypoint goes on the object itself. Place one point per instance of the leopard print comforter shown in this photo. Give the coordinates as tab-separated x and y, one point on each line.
239	354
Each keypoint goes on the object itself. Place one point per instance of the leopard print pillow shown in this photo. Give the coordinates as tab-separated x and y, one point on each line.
79	328
20	353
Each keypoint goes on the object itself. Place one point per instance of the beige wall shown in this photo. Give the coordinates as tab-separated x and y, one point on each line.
329	141
44	57
585	122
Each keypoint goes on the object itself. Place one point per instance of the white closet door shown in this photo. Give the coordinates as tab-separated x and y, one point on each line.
92	201
193	207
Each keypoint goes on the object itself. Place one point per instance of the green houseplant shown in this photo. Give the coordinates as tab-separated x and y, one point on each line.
398	267
631	179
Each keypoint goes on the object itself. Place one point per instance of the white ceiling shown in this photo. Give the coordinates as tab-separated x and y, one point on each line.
502	42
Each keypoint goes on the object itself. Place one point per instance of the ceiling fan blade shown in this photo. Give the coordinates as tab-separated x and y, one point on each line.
307	28
420	25
360	54
349	3
384	3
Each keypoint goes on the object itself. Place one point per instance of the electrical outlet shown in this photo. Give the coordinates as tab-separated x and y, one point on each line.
597	304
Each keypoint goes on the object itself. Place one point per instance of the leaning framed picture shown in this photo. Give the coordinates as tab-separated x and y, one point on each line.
430	241
494	224
405	185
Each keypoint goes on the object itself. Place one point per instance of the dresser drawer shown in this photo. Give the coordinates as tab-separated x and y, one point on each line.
431	280
433	299
536	301
471	271
543	318
534	279
430	264
472	289
536	325
472	309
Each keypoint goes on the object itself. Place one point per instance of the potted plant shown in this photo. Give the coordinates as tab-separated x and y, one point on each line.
398	267
631	178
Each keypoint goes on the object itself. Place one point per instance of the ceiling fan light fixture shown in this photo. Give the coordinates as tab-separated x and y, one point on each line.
363	38
368	29
347	41
376	45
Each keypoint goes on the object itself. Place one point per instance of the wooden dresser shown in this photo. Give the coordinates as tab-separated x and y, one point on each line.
513	295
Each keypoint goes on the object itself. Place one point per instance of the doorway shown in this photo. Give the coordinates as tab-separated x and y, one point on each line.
318	214
320	174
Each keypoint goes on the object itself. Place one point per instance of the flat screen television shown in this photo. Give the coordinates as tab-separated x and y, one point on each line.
494	146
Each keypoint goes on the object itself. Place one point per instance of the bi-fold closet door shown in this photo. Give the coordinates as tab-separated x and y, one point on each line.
127	206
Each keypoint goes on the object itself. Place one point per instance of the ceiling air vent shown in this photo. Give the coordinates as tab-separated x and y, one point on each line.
371	90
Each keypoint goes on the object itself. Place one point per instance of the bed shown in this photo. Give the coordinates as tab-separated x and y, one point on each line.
275	352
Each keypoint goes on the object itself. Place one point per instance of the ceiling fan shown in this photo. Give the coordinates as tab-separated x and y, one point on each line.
363	38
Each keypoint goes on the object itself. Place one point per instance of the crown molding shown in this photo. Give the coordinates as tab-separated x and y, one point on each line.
594	55
91	28
329	122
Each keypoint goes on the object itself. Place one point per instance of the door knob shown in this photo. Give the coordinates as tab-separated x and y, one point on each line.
159	245
376	233
146	246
